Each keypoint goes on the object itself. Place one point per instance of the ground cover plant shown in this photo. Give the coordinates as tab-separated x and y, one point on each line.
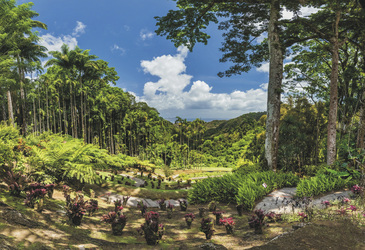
240	189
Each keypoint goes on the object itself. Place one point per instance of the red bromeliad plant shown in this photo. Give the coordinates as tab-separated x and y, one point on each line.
117	204
183	205
207	227
117	219
357	190
125	200
151	229
142	207
229	224
35	196
303	217
76	209
92	206
257	221
162	204
170	209
273	217
189	218
218	216
16	182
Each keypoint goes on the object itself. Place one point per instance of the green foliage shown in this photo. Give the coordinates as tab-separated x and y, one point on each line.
321	184
238	188
245	168
8	141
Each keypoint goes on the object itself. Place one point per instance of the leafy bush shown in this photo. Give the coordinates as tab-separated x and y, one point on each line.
17	182
321	184
241	189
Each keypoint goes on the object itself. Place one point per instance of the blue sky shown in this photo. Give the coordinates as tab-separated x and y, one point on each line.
173	80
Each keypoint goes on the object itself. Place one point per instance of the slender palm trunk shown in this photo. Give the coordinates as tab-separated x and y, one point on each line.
10	108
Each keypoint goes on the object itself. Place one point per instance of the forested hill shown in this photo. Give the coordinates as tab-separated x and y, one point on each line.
239	124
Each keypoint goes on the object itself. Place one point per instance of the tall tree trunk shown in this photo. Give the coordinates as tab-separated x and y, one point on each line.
332	114
274	87
82	112
59	112
10	108
65	116
39	110
35	126
47	106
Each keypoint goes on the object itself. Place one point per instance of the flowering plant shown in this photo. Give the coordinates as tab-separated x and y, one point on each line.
151	229
35	196
303	216
228	223
92	206
352	208
207	227
125	200
273	217
342	211
356	189
76	209
117	204
183	205
162	204
170	209
257	221
142	207
326	203
189	217
218	216
16	182
117	219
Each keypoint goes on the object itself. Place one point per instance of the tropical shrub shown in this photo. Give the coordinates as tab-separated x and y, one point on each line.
35	196
240	189
228	223
76	209
17	182
207	227
117	219
151	229
321	184
257	221
189	218
92	206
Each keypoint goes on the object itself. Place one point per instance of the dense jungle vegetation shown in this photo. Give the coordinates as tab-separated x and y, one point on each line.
74	97
66	129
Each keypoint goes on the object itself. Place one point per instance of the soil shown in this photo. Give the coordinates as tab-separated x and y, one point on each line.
24	228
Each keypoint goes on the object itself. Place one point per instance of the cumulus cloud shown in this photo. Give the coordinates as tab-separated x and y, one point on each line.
79	29
118	48
145	34
54	43
175	94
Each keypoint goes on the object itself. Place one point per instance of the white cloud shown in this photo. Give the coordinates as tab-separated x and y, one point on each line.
53	43
145	34
117	48
171	94
265	68
79	29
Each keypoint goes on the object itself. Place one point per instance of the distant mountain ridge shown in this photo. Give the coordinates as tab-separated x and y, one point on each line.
240	124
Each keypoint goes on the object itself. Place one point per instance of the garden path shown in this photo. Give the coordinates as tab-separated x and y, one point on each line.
278	201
